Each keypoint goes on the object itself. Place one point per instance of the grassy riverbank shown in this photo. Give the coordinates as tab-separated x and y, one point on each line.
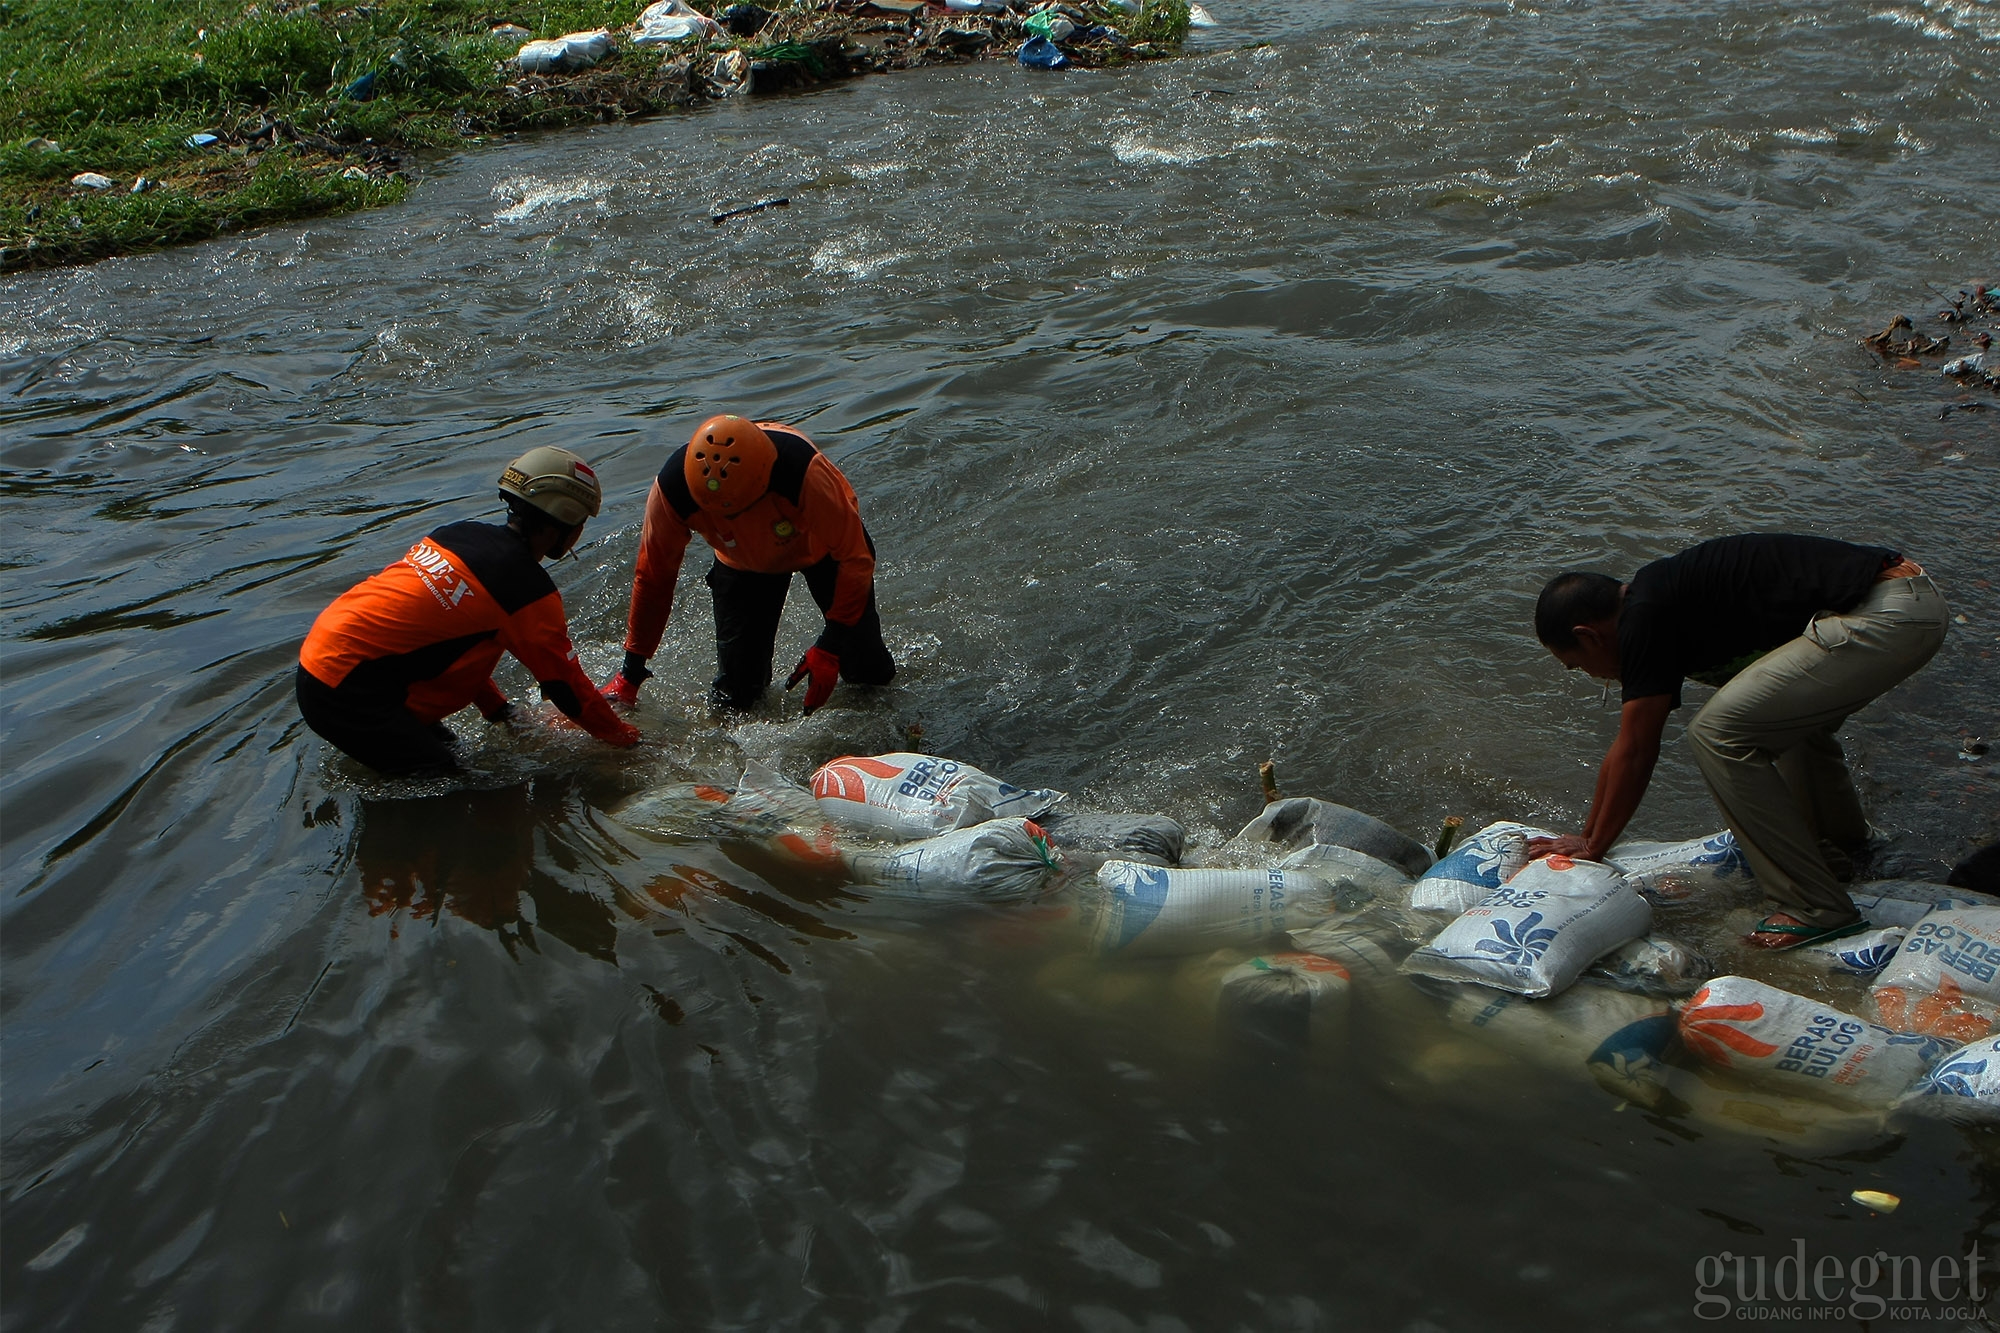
226	117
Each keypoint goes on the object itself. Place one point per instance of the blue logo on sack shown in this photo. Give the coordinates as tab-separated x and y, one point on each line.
1634	1048
1519	945
1720	853
1954	1078
1138	901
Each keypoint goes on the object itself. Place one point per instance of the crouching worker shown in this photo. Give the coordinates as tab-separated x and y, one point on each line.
399	652
771	505
1798	633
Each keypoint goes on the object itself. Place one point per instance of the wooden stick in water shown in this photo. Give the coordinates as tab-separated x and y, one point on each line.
1454	826
719	218
1267	774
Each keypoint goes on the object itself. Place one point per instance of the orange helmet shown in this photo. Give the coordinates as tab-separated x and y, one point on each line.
729	463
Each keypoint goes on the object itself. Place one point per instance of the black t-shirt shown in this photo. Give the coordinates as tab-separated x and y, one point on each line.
1724	602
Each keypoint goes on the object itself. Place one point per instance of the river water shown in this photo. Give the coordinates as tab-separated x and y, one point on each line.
1204	412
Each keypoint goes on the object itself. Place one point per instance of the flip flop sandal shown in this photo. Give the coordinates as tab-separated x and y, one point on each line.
1799	934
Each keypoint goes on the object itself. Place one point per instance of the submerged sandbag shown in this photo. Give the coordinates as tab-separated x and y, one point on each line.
1719	1100
1150	838
1653	965
1306	821
1347	869
1475	868
1369	946
1616	1037
1904	902
674	808
1964	1085
1945	979
1675	869
1152	910
1297	999
907	796
996	861
1789	1042
1537	933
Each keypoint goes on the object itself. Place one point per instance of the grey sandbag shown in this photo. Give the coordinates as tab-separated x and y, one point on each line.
1153	839
1305	821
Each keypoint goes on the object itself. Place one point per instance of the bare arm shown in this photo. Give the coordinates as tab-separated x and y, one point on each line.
1621	781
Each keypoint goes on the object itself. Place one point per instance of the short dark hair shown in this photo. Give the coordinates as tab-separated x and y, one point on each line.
1574	597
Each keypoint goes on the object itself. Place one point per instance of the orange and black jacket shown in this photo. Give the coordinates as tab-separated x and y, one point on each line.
426	632
808	514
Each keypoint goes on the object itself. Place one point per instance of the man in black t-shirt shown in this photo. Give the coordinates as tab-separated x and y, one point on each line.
1798	633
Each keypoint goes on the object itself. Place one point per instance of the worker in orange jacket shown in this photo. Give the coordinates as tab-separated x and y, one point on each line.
771	505
396	654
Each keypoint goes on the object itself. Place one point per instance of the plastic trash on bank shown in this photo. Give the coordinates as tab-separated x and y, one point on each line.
1041	53
904	796
1306	821
91	180
1788	1042
1201	18
1050	23
1945	979
560	55
1536	934
672	21
1149	910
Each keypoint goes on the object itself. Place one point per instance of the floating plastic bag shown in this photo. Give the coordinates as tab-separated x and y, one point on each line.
999	860
1904	902
1537	933
1153	838
575	50
1964	1085
1616	1037
1307	821
1475	868
1151	910
1654	965
1788	1041
1296	998
1860	955
1201	18
1676	869
672	21
904	796
1945	980
1041	53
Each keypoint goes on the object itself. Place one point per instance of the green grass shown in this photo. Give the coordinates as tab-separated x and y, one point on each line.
119	86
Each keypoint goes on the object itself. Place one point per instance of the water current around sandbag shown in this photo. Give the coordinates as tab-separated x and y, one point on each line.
1207	411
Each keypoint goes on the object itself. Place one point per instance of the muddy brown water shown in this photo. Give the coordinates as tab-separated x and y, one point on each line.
1204	412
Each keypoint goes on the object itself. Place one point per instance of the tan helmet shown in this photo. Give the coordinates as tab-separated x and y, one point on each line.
556	482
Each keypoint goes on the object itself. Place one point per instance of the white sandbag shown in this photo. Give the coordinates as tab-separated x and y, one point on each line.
999	860
1151	910
683	808
1718	1100
1964	1085
1369	947
1945	980
1295	998
571	51
1654	965
904	796
1676	869
1904	902
1860	955
1344	866
1307	821
1787	1041
1475	868
672	21
1536	933
1616	1037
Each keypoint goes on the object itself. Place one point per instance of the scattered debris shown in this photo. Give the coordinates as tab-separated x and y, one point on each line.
719	218
140	185
672	21
1880	1200
1041	53
44	146
1902	345
91	180
202	140
510	32
569	52
362	89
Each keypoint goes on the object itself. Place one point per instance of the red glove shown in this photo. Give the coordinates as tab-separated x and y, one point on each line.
622	690
625	739
824	668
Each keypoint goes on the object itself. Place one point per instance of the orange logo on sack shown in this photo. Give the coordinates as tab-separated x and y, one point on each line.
1709	1031
847	779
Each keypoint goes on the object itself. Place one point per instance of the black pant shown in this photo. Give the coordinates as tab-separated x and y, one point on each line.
381	733
747	610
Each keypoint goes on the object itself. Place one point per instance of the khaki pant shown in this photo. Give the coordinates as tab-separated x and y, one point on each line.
1766	745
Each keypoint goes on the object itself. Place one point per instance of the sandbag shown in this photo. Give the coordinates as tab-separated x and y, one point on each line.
1348	870
1860	955
1653	965
1787	1041
673	808
1475	868
1964	1085
1297	999
1150	838
1945	980
1306	821
907	796
1151	910
1369	947
1616	1037
1904	902
1719	1100
1537	933
1676	869
999	860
